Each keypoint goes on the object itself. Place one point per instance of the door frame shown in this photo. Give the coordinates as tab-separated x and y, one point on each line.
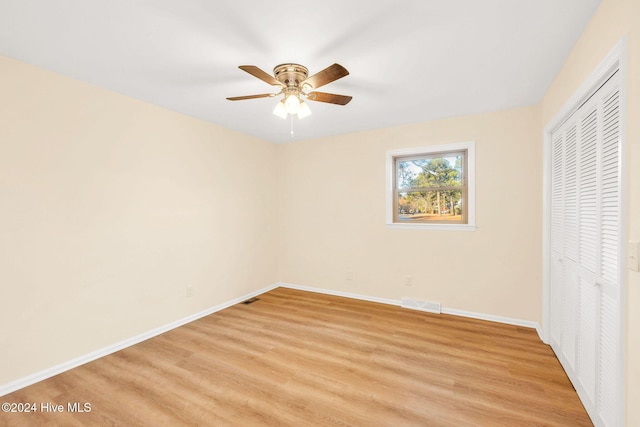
616	59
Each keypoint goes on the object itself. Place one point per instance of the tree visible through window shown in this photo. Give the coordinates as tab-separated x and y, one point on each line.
431	188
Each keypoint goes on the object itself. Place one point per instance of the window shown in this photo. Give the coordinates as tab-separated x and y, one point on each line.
432	187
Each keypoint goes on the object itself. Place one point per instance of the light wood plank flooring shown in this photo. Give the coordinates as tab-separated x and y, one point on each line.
296	358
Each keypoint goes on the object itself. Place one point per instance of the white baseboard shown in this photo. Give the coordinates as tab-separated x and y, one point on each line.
74	363
78	361
492	318
340	294
451	311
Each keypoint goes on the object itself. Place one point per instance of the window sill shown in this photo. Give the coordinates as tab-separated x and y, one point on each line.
451	227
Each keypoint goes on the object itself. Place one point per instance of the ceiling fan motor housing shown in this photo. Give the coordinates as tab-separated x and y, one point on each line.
290	74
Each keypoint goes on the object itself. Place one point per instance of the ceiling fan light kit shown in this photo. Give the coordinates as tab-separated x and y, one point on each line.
304	110
292	81
280	110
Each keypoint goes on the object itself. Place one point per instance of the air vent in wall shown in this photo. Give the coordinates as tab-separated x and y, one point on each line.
413	304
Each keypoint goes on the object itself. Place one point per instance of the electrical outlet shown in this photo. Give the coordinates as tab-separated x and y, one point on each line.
349	274
189	291
408	281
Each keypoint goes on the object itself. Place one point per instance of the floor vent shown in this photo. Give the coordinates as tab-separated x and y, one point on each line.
431	307
251	300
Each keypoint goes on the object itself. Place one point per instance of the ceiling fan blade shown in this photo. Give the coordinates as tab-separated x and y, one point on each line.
262	75
329	97
262	95
328	75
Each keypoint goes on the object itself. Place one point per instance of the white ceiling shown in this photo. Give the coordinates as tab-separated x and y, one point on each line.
410	60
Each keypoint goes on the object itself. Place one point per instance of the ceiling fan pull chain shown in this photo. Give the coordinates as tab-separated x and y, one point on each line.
291	115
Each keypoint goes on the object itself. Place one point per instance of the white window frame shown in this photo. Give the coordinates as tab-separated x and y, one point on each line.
469	147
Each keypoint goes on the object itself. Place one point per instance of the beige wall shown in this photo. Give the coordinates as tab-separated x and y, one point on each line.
332	209
613	20
109	208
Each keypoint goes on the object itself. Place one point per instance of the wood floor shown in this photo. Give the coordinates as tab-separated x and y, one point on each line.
295	358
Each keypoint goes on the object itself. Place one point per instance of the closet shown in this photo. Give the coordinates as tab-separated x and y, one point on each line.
585	236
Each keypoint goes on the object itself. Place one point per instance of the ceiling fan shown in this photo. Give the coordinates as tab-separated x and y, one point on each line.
292	81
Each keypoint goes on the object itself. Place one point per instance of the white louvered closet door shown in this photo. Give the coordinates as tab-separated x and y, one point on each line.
585	240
